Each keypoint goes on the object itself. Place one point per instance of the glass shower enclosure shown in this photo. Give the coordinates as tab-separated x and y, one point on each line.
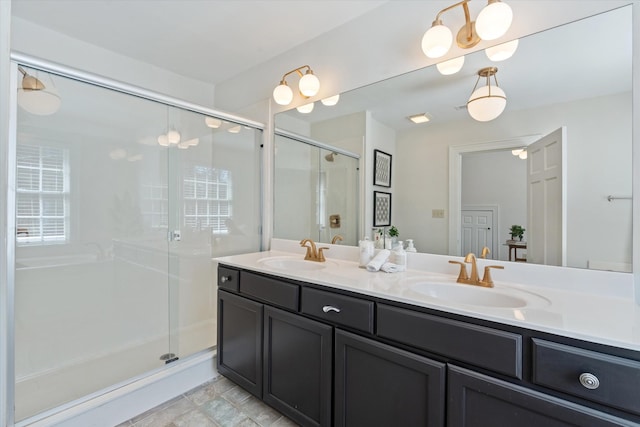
121	203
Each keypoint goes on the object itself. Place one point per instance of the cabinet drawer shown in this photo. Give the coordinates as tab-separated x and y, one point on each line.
339	309
271	290
228	278
560	367
485	347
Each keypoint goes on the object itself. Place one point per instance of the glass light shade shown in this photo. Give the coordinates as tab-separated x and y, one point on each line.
173	136
191	142
43	102
483	107
163	140
212	122
183	145
517	151
502	51
451	66
235	129
523	155
330	101
306	108
309	84
494	20
283	95
437	41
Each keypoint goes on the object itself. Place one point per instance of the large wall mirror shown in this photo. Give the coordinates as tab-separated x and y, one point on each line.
576	78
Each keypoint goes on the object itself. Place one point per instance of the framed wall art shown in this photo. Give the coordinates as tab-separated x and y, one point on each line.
381	209
381	168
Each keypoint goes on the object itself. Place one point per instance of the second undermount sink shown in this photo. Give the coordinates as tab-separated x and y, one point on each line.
292	264
475	295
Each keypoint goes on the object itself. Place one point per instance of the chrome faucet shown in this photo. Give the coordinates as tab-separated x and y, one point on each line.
313	253
474	279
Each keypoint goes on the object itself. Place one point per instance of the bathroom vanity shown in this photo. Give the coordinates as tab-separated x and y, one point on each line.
331	344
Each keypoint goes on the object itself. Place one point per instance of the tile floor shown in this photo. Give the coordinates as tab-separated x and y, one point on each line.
218	403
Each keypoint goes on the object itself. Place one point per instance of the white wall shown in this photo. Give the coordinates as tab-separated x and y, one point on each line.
599	131
37	41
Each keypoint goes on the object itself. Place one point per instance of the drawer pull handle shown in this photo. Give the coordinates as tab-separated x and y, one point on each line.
328	308
589	381
225	279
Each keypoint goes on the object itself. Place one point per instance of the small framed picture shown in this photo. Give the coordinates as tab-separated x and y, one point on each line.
381	209
381	168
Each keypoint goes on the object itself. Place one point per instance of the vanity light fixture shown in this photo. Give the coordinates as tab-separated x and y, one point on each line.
212	122
487	102
306	108
502	51
309	85
35	97
451	66
493	22
420	118
520	152
235	129
330	101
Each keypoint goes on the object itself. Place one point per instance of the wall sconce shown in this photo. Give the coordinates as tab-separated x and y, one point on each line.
493	22
520	152
306	108
486	103
34	96
309	85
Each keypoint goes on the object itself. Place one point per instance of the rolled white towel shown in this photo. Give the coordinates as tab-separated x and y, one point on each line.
378	260
389	267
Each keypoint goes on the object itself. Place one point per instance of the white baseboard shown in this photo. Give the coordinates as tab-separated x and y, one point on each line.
124	401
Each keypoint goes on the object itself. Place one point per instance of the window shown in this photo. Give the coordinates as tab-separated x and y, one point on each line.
207	198
42	194
155	205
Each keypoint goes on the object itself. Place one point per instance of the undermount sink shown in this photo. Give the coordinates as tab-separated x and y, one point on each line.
475	295
292	264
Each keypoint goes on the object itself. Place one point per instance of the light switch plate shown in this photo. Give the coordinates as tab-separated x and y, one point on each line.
437	213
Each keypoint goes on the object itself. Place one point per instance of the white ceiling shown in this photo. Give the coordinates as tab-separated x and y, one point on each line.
209	40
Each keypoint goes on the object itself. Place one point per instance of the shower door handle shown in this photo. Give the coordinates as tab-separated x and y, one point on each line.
174	236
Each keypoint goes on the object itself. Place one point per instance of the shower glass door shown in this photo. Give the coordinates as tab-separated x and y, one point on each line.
121	203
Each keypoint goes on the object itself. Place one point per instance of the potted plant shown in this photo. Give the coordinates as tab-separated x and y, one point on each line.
516	231
393	231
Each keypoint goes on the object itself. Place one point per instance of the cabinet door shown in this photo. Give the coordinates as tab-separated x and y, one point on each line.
298	367
476	400
240	341
380	385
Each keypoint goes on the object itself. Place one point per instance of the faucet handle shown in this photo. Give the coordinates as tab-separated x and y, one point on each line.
321	254
463	271
486	279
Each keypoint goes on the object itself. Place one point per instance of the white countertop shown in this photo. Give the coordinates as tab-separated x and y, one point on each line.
592	316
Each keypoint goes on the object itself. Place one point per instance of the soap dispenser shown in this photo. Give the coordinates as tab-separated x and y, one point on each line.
367	250
400	256
410	247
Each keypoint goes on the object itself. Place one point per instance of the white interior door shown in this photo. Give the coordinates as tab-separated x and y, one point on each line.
546	202
477	231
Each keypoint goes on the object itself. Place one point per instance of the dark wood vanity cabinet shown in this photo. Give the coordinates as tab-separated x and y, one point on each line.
326	357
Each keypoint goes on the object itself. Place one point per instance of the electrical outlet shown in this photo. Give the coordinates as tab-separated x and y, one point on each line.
437	213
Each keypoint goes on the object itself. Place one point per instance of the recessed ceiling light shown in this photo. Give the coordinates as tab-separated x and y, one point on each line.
420	118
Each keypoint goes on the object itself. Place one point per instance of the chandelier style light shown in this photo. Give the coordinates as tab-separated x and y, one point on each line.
493	22
487	102
309	85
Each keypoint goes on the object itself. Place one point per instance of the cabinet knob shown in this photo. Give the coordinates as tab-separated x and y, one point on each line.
328	308
225	279
589	381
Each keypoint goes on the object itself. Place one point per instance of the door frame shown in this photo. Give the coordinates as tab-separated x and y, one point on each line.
494	225
455	179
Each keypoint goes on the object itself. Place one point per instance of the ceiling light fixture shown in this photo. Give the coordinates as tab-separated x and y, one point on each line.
35	97
502	51
486	103
451	66
493	22
420	118
309	85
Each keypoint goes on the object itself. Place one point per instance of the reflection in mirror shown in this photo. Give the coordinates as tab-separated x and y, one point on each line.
320	177
553	81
